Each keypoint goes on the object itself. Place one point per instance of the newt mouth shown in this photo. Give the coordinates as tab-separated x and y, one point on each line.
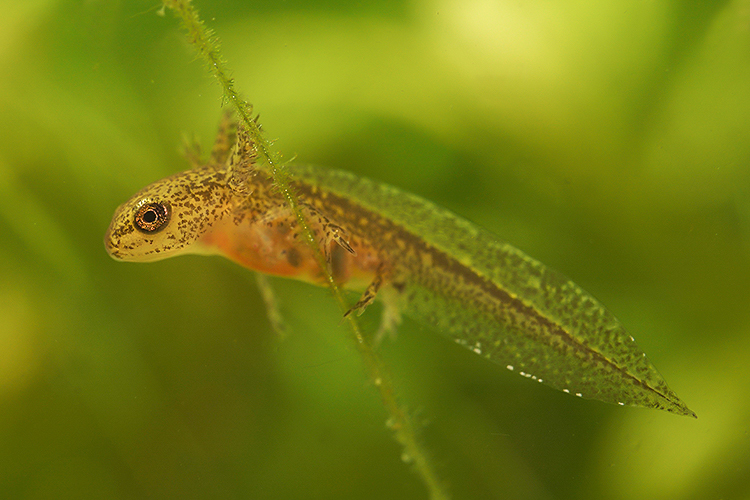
110	246
109	243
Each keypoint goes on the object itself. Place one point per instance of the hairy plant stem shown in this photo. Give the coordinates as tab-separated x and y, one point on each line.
206	43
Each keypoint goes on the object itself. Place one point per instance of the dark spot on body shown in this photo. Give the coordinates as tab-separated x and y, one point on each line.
338	263
293	257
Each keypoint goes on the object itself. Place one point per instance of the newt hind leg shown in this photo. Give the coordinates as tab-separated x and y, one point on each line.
368	297
392	304
390	295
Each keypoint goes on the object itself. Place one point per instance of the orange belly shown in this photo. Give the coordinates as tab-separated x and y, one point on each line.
275	249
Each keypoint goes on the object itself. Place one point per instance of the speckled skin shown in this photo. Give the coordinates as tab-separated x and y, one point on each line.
198	200
479	291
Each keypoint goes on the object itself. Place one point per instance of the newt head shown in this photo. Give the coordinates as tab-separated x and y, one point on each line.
168	217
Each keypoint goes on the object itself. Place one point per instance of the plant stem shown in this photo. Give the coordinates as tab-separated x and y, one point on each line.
206	43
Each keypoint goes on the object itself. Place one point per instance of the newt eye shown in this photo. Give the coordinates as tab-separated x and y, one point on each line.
151	217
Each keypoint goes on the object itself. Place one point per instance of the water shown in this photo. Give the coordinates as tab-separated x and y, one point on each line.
609	142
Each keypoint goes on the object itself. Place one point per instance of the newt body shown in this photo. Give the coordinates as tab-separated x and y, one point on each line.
425	261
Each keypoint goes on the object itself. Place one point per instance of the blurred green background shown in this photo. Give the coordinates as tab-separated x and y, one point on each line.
610	140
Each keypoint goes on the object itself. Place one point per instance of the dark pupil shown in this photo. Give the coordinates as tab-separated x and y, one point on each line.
152	217
149	216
